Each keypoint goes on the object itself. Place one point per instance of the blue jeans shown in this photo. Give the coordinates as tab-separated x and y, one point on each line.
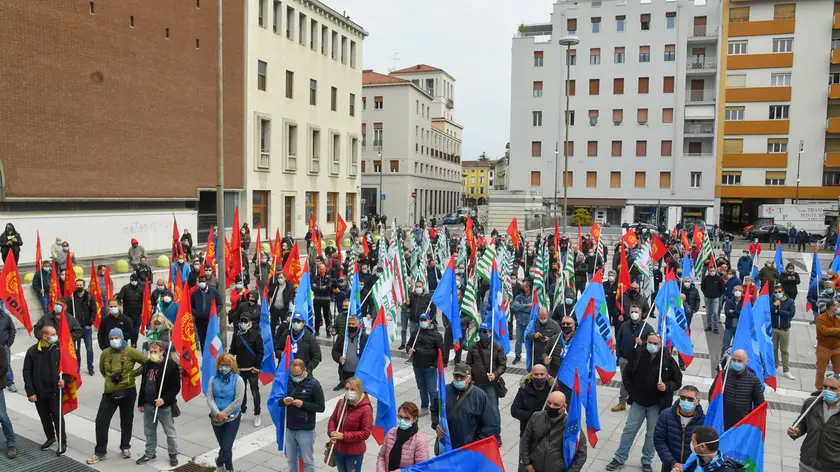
406	323
45	303
225	435
6	423
10	377
520	338
305	441
427	384
348	463
87	337
493	403
635	416
728	335
712	312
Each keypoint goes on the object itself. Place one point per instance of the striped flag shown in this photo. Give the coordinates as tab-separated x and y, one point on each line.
541	273
383	298
569	271
470	309
642	264
705	254
485	264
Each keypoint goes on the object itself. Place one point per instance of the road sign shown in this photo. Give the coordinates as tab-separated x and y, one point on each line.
382	197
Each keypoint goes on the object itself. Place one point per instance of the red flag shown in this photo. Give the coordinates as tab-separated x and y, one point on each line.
580	240
557	237
146	317
365	247
340	228
311	222
235	260
468	231
698	236
513	232
657	248
96	293
623	278
177	250
68	364
38	256
293	269
177	288
183	339
70	276
109	284
630	238
54	293
276	255
595	232
11	292
210	250
684	239
258	249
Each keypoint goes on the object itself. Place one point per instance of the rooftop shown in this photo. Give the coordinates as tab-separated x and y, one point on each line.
369	77
419	68
485	163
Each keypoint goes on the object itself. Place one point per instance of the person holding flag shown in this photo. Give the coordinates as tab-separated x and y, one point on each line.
43	385
473	419
423	347
819	426
350	425
52	320
488	363
159	387
41	285
782	311
304	399
706	445
347	349
404	445
742	390
304	345
247	347
542	447
629	337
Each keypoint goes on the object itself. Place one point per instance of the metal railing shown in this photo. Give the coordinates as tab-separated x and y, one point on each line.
699	128
701	63
701	31
700	95
698	154
265	159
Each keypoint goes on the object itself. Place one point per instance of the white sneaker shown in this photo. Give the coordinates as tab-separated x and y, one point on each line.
424	411
788	375
257	421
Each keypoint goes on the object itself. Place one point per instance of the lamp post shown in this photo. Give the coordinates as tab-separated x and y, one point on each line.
567	41
381	164
798	161
220	166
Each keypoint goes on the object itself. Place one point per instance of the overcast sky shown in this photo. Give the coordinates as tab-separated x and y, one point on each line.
470	39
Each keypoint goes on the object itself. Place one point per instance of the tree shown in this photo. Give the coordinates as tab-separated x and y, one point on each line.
483	156
582	217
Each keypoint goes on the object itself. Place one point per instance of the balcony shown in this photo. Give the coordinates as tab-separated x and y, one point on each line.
832	159
701	65
760	61
700	97
750	160
699	155
758	94
703	34
698	128
761	28
835	56
450	103
832	125
834	91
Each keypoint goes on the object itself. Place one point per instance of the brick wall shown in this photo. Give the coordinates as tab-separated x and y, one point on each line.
100	109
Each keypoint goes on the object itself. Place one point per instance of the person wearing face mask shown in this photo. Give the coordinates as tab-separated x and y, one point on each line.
248	309
160	330
247	347
705	443
610	289
167	306
745	263
304	400
10	240
356	417
691	299
157	291
828	295
225	393
158	391
135	252
782	311
565	307
558	347
61	308
544	330
41	285
201	301
131	298
239	292
367	280
63	255
181	269
755	248
530	398
768	274
819	450
423	347
732	311
118	366
634	297
521	310
541	448
404	445
580	272
195	271
742	391
491	382
672	436
280	295
83	308
731	281
712	287
629	336
321	284
304	345
113	319
42	385
473	419
348	359
649	391
419	302
828	342
790	281
143	271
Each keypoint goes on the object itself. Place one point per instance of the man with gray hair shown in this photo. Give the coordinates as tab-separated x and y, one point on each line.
672	436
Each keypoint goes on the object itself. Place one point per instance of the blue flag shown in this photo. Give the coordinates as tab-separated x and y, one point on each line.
531	329
835	263
571	436
754	273
764	336
672	318
355	305
269	363
814	282
279	391
445	444
376	373
446	298
687	268
714	415
778	260
581	358
604	345
745	338
212	350
303	300
495	314
480	456
744	442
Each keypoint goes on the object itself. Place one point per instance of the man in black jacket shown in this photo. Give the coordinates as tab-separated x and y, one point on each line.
41	285
5	422
280	296
530	398
131	297
114	319
159	386
542	447
712	287
43	385
742	392
201	302
488	363
248	310
321	285
304	344
348	360
649	391
691	299
419	302
83	308
51	319
247	346
629	336
423	348
366	280
544	329
7	338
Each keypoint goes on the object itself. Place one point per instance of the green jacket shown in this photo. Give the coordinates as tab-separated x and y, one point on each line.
123	362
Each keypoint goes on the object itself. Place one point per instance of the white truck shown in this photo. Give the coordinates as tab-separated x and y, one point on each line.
813	217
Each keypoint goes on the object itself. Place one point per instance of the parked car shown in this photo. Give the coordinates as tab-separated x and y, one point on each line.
451	219
766	232
645	228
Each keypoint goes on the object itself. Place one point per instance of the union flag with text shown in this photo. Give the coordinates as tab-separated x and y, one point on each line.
68	365
183	338
11	292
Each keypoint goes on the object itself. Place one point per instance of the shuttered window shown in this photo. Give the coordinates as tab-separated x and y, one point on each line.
618	86
569	177
536	148
644	83
616	149
594	87
668	85
667	115
591	179
571	25
570	148
772	177
592	149
641	148
535	179
733	146
736	80
615	179
642	115
665	149
785	11
618	116
571	86
739	15
639	181
664	180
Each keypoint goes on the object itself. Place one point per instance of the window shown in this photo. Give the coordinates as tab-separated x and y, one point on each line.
777	145
302	29
538	88
536	148
325	31
315	151
664	179
592	149
333	98
593	117
568	179
538	58
779	112
313	92
570	85
595	56
344	50
670	19
615	179
739	15
350	207
639	181
736	48
591	179
166	33
644	83
594	86
290	23
364	136
291	147
618	86
91	7
619	55
571	25
570	148
571	117
642	116
783	45
730	178
772	177
313	35
733	146
535	178
665	148
131	21
335	153
668	85
377	167
780	80
596	25
395	166
311	206
644	53
616	149
641	148
352	54
377	136
290	84
265	144
667	115
571	57
262	75
733	114
537	118
620	22
786	11
364	167
352	104
644	19
276	16
696	178
377	103
260	12
197	44
736	81
364	103
334	46
670	53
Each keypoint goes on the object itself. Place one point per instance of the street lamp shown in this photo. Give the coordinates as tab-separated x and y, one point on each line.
381	193
567	41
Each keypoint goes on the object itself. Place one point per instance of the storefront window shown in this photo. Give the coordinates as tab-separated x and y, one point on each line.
650	214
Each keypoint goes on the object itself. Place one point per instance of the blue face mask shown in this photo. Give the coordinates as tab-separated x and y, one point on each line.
737	366
459	384
829	396
296	379
484	338
404	424
224	370
652	348
687	406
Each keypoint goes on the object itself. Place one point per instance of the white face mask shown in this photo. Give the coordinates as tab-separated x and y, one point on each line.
167	299
161	287
634	315
133	283
202	285
737	293
350	395
418	290
116	343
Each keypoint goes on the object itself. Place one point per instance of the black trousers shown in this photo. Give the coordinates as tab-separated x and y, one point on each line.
252	381
137	320
800	247
343	375
47	408
277	316
109	405
322	314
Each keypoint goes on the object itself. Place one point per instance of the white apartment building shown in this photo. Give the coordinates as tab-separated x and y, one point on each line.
411	144
303	118
642	89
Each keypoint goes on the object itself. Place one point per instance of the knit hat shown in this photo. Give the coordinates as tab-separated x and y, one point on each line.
133	240
116	333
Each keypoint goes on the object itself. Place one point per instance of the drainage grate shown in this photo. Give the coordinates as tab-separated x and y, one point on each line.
193	467
31	458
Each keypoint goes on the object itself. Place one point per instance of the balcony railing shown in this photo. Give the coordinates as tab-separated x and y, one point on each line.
265	159
699	154
701	63
699	128
699	96
700	31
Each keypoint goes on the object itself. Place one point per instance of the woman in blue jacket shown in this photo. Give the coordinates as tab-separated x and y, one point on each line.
224	397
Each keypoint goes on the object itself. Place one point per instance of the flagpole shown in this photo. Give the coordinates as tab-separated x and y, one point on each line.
162	378
725	373
340	421
61	412
805	413
492	333
662	350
